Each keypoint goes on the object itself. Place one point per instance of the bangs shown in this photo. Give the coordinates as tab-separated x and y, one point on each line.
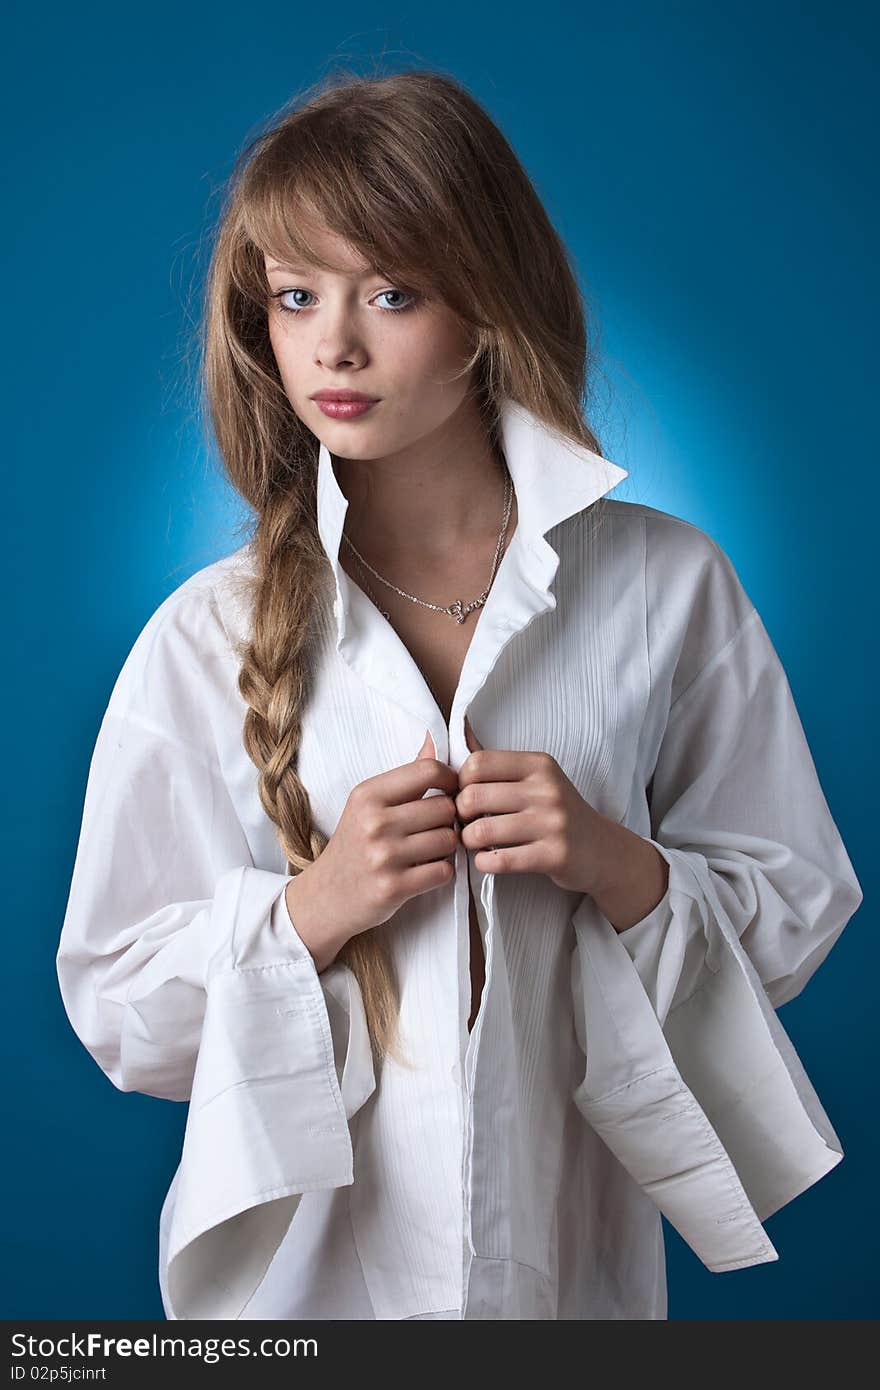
411	194
290	202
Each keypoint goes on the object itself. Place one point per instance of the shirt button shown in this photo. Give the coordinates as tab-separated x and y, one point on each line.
455	1072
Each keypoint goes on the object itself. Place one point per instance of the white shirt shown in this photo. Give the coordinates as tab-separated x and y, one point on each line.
519	1171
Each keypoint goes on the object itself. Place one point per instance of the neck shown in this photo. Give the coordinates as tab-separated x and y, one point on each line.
431	499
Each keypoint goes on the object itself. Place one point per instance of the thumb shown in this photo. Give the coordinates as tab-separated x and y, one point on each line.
473	742
427	749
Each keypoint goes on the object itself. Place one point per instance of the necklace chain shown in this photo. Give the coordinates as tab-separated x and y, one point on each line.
457	610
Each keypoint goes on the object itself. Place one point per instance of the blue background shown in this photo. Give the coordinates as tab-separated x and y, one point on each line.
712	173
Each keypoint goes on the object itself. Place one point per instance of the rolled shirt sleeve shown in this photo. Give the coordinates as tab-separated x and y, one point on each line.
184	977
690	1077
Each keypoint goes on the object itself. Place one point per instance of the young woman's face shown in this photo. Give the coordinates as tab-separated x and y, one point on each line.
357	331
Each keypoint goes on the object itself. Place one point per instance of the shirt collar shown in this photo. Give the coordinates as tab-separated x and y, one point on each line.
553	476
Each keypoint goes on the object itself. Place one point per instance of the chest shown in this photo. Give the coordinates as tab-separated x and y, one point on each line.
565	672
438	644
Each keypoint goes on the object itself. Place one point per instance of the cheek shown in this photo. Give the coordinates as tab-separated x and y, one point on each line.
276	340
432	352
286	354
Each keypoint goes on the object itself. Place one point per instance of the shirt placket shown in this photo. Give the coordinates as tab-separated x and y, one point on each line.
521	592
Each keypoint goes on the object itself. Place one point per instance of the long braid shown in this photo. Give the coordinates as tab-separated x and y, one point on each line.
275	680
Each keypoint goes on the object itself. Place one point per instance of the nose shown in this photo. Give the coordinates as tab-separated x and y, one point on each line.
338	357
339	344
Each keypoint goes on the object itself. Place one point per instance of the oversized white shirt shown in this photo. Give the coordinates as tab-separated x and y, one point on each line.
518	1171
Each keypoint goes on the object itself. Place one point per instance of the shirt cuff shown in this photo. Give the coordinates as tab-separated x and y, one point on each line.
669	947
274	1086
708	1107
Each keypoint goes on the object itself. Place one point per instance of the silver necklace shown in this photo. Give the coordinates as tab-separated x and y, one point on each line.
457	610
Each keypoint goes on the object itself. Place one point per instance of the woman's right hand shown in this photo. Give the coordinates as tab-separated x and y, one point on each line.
392	842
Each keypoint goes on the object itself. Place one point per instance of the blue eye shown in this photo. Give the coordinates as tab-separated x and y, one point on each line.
279	296
286	308
397	308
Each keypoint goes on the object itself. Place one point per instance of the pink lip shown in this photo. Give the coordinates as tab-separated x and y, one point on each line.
344	409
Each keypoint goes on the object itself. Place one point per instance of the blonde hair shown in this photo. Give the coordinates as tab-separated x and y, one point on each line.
415	175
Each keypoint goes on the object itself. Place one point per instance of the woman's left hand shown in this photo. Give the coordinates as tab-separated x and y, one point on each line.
522	815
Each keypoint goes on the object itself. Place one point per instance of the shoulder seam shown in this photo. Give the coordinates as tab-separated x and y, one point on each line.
218	608
166	607
151	727
746	619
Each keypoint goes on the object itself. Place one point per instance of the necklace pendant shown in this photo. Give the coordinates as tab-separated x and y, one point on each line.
456	610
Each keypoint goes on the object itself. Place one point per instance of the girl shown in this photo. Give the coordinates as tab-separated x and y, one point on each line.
450	846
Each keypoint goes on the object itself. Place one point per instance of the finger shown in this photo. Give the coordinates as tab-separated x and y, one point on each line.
427	845
491	799
426	814
512	859
473	742
498	765
501	831
426	878
412	780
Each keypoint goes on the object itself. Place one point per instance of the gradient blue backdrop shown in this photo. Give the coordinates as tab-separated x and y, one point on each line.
711	171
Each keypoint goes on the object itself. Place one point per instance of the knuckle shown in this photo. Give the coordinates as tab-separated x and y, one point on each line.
474	761
378	859
385	886
373	824
472	800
